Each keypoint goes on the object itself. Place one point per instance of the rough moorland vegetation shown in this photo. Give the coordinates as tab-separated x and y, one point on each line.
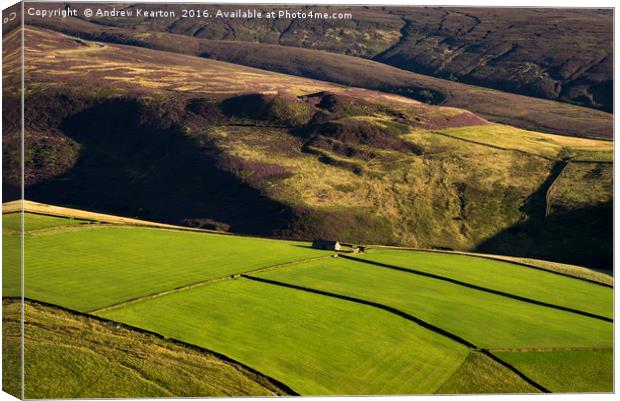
503	107
560	54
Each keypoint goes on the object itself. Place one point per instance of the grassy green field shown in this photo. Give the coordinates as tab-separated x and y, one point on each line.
566	371
68	355
97	266
506	277
32	222
314	344
480	374
11	256
563	268
463	311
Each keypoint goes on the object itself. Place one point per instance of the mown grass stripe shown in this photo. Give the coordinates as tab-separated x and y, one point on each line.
479	288
406	316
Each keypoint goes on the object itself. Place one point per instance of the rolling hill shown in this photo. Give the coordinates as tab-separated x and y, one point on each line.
559	54
183	140
502	107
176	173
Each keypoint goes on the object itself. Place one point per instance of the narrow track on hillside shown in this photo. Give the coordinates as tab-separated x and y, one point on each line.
200	284
409	317
479	288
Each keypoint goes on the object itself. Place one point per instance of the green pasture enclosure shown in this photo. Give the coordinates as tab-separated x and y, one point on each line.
480	374
32	221
504	276
486	320
94	267
315	344
11	265
566	371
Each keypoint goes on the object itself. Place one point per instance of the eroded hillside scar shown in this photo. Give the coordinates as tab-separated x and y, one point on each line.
479	288
545	191
548	202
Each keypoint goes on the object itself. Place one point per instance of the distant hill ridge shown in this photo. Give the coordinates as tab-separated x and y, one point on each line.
503	107
558	54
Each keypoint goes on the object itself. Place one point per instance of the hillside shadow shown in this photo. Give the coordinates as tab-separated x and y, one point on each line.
519	238
135	163
581	237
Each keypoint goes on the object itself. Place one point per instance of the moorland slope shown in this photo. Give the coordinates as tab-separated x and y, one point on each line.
300	158
503	107
558	54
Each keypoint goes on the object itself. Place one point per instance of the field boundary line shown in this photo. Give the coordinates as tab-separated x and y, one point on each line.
377	305
493	146
200	284
422	323
551	349
479	288
164	226
550	190
515	371
236	364
524	151
488	257
548	202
